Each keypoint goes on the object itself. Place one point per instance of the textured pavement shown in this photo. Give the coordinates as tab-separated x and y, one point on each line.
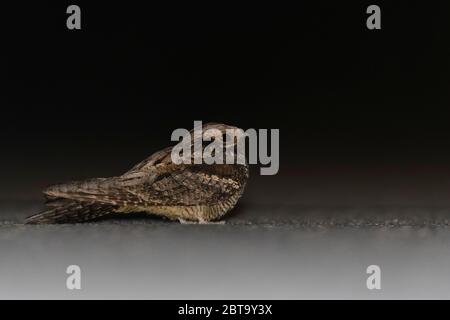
262	252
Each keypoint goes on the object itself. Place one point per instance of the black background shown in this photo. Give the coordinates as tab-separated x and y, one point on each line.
279	309
95	101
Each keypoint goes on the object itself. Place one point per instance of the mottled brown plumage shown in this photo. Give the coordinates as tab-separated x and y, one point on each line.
184	192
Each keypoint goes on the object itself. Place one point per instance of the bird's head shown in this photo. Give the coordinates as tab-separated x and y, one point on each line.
210	138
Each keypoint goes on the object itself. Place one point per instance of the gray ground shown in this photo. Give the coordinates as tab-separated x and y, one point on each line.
262	252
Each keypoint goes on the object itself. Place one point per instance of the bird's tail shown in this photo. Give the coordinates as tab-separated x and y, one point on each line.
70	211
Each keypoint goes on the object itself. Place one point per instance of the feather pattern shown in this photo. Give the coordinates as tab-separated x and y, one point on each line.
192	192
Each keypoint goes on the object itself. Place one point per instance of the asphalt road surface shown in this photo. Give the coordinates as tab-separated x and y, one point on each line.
262	252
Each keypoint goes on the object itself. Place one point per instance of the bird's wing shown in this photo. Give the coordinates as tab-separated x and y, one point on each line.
187	185
160	157
162	184
103	190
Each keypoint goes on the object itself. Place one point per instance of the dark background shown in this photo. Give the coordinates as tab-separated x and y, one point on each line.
363	118
363	114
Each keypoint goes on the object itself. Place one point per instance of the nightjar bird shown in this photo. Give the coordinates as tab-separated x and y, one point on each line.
198	193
